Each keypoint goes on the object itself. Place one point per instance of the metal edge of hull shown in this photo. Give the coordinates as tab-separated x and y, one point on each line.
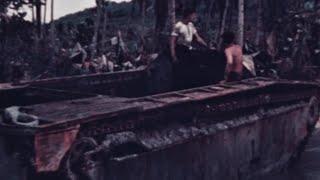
229	150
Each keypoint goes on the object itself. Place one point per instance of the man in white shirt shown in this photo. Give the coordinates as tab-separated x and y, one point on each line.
193	67
183	34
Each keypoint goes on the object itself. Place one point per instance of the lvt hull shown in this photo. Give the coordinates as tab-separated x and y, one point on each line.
228	131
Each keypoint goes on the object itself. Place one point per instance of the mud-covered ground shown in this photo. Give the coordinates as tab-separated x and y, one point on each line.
306	168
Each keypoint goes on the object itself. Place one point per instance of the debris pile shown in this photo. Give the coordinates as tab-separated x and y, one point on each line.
292	48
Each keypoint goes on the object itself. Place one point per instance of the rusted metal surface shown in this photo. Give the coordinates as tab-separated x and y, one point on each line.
51	147
224	130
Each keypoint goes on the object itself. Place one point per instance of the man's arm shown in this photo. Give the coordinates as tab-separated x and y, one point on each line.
173	41
200	40
240	53
229	61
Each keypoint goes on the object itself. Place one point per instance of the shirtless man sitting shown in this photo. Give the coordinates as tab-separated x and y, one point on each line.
234	57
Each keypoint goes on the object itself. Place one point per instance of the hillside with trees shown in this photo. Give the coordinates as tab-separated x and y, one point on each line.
287	30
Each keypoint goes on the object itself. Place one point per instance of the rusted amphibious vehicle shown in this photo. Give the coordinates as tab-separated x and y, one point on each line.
73	130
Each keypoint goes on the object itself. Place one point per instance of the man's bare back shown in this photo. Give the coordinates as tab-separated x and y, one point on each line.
234	58
234	62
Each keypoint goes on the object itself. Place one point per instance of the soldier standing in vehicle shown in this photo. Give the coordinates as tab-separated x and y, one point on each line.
186	58
183	35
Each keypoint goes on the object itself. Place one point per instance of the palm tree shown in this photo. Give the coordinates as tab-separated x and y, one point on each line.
172	13
52	27
45	11
161	14
209	14
241	22
52	11
259	22
99	4
38	4
223	22
104	27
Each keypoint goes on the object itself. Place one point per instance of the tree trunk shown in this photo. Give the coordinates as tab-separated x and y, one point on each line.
133	7
209	14
143	15
104	31
230	15
241	22
96	29
172	14
161	16
32	14
161	13
38	17
52	11
52	34
223	23
45	12
143	7
259	23
52	26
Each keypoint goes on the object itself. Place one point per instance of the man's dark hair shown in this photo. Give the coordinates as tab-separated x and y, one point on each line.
228	37
187	12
